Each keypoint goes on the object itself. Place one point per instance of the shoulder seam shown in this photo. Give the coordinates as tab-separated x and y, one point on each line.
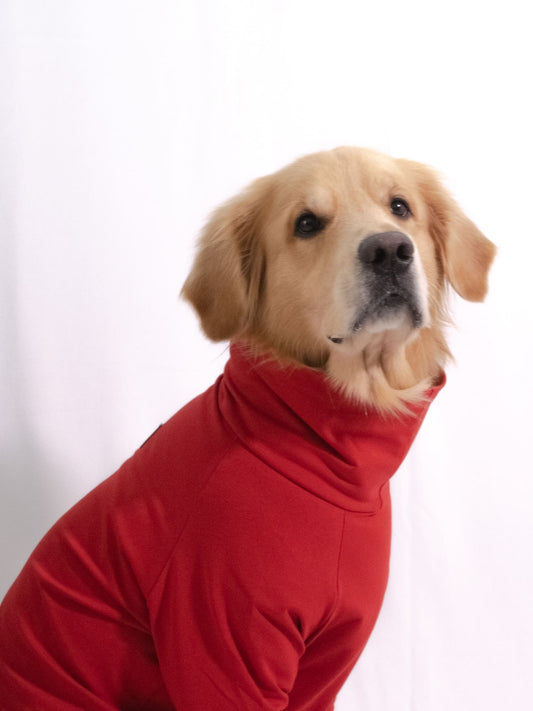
193	509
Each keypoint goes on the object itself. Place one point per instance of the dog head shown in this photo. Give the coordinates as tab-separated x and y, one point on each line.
340	261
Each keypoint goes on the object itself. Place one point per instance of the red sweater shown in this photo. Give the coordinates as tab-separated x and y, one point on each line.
237	561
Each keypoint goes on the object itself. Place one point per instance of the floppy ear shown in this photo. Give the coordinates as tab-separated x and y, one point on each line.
465	252
467	256
225	280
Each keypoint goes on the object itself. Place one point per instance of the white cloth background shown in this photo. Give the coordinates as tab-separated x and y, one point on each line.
122	124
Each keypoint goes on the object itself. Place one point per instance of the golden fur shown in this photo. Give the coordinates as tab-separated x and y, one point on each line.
256	282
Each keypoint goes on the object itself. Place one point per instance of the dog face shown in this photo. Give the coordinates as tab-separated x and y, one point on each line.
340	261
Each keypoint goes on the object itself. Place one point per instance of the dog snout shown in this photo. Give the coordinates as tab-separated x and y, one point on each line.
386	253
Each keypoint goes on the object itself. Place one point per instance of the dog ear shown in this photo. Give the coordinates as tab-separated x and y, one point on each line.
465	252
225	281
467	255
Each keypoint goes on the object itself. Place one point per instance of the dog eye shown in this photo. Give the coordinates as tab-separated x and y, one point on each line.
308	225
400	208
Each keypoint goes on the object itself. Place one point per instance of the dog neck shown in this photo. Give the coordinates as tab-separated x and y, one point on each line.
293	419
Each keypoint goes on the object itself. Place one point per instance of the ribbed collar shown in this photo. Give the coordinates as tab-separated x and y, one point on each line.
294	421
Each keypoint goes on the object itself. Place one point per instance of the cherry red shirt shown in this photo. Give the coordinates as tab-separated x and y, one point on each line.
237	561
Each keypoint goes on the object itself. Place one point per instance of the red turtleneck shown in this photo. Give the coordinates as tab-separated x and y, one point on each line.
237	561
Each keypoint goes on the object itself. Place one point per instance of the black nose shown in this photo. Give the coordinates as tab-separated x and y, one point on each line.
387	252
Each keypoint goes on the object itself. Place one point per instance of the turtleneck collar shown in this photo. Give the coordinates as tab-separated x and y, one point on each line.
298	424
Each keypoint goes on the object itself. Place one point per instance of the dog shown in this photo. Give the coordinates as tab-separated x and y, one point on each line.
238	559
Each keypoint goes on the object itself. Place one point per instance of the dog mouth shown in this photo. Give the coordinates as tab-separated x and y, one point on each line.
386	312
391	305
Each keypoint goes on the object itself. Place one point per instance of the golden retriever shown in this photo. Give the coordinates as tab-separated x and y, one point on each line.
340	261
239	558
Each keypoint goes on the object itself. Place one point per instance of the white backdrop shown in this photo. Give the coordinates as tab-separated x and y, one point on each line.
122	124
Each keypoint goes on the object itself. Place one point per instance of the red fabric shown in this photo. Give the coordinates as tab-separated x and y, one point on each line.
237	561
